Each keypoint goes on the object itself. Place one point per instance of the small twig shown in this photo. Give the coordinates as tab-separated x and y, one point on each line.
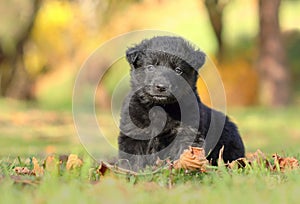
117	169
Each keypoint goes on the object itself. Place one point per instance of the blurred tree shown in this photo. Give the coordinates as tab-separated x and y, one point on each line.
15	81
273	70
58	35
215	12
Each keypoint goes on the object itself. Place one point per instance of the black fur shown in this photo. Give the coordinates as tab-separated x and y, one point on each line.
159	94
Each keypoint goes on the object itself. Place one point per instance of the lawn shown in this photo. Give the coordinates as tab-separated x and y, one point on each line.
28	132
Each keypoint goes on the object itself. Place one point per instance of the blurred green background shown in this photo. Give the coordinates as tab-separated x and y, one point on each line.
43	44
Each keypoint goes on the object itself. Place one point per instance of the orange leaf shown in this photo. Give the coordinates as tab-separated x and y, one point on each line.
37	170
285	163
22	171
192	159
258	157
73	162
239	163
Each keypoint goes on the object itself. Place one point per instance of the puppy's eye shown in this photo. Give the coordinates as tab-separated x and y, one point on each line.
150	68
178	71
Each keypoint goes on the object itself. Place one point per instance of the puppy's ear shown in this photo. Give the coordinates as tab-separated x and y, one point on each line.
133	57
200	58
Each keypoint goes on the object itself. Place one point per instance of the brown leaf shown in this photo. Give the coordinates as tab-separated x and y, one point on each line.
285	163
102	169
258	157
239	163
22	171
73	162
37	170
192	159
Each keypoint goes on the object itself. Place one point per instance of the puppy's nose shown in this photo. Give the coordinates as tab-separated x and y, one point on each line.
161	87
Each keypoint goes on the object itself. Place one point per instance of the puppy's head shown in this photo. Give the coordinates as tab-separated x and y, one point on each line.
162	67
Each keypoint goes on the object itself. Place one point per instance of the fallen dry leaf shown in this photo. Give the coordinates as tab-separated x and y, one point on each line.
257	154
285	163
102	169
239	163
258	157
73	162
192	159
37	169
22	171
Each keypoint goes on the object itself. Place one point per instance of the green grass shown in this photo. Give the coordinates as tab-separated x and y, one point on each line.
271	130
252	186
26	132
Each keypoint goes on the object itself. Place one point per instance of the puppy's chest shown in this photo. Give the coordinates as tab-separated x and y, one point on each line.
163	118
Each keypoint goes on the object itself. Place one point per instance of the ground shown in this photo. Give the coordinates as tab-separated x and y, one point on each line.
26	132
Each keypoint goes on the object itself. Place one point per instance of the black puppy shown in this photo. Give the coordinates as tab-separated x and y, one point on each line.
163	114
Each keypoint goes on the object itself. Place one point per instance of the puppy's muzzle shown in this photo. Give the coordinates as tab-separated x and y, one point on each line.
161	87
